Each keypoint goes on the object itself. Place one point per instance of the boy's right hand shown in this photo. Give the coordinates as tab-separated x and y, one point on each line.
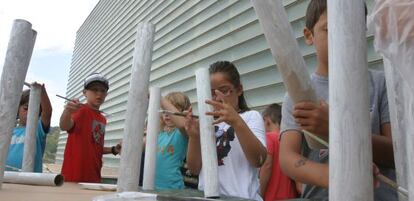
192	125
72	106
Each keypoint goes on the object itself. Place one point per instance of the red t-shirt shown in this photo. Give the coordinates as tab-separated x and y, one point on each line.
280	186
82	161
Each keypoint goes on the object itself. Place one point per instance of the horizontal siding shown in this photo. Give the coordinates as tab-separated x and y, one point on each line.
189	35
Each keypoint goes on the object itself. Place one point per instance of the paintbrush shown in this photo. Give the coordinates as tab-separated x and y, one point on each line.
176	113
380	177
68	99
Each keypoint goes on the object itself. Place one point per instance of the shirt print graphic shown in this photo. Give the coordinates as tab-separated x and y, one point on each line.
223	142
98	132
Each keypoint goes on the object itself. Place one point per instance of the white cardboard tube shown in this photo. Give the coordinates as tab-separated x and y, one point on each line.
136	109
31	178
207	136
285	50
153	129
19	52
31	127
350	148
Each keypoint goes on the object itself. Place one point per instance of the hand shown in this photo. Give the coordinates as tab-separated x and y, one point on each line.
223	110
313	117
375	172
72	106
191	125
118	147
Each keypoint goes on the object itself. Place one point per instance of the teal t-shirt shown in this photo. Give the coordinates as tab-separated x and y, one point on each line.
171	151
16	148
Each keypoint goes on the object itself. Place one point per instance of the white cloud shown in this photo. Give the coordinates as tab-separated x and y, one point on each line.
56	23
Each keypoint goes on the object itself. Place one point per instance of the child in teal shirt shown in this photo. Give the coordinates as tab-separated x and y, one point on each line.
15	155
172	143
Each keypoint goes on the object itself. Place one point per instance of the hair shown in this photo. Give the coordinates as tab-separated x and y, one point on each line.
24	99
274	112
315	9
232	76
179	100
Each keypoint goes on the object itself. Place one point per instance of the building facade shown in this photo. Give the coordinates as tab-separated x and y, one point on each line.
190	34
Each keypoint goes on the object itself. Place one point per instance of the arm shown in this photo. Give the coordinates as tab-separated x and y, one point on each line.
194	148
265	174
66	121
178	121
382	147
296	166
46	109
253	149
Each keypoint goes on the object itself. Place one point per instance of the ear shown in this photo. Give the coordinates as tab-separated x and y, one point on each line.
308	36
239	90
84	92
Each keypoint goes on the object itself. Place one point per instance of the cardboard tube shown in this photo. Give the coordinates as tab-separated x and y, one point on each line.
136	109
153	129
19	52
31	178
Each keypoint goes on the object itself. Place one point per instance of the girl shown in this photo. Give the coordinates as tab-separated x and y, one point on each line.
172	143
15	155
240	136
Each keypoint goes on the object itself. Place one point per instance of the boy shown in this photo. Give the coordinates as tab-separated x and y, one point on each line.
274	185
16	149
312	167
86	131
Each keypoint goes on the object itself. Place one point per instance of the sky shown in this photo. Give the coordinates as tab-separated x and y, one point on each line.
56	23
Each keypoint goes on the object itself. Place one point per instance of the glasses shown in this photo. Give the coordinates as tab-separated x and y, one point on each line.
226	91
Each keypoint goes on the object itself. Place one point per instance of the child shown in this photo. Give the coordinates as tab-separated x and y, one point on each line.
312	168
172	143
15	155
86	131
240	133
274	184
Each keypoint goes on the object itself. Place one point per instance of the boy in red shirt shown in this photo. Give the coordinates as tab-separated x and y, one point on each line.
86	131
274	185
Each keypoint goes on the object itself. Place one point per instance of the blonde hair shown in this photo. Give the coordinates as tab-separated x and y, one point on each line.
179	100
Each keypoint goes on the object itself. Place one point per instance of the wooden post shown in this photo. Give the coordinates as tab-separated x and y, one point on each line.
207	136
136	109
153	129
350	148
285	50
31	127
19	52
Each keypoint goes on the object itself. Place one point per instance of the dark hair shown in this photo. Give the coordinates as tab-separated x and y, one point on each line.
315	9
233	76
24	99
274	112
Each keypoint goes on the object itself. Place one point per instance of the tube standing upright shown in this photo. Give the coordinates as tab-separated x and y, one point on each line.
350	148
207	136
136	109
285	50
153	129
19	52
29	152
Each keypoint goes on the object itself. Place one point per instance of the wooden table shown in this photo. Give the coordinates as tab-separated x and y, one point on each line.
67	192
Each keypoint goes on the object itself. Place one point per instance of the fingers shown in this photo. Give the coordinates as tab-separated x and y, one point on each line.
215	104
220	96
305	106
299	113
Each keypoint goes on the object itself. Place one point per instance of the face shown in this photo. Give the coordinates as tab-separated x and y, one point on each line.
23	113
167	120
231	93
95	94
319	38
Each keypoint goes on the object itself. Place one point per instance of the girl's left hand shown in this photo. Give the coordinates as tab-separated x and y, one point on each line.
224	111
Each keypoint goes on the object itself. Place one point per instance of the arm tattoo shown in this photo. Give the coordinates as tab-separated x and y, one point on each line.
301	162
